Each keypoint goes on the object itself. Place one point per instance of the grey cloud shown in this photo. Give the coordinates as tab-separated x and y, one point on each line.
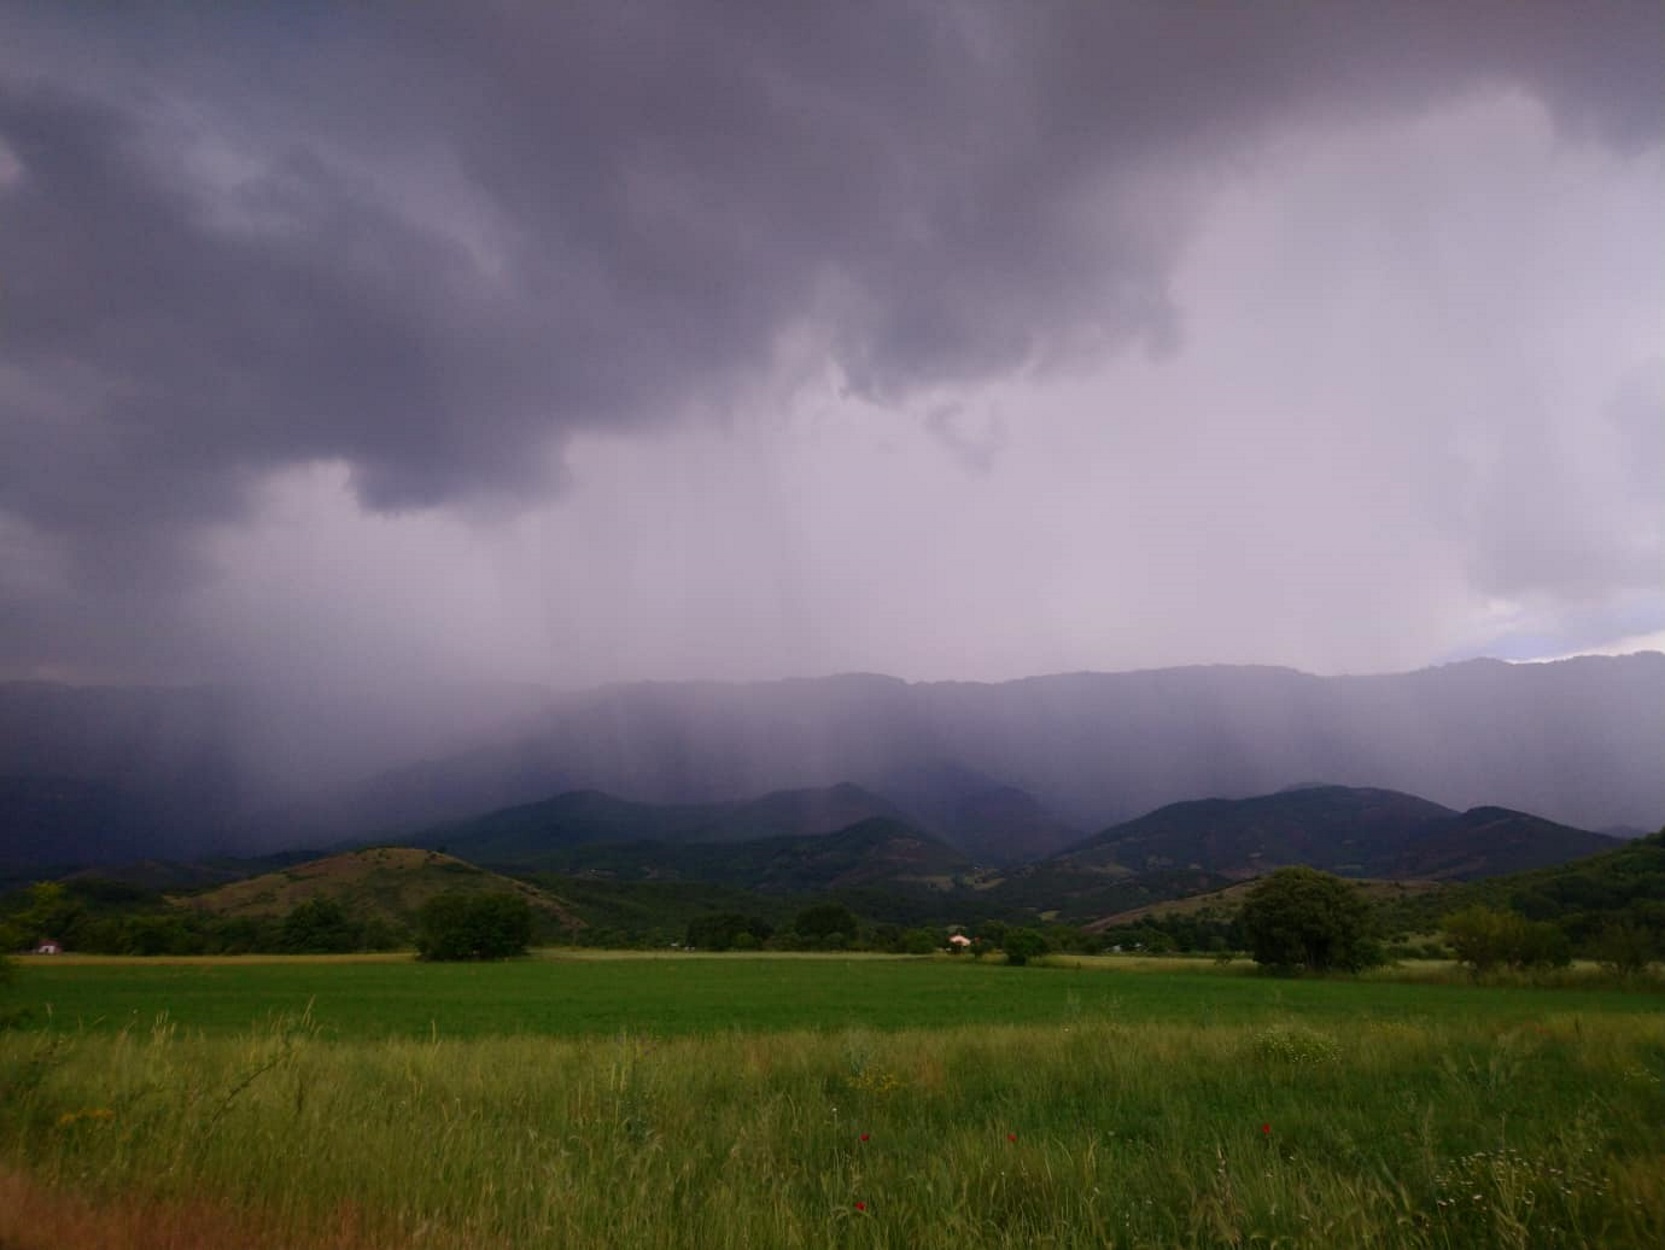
1546	524
1637	413
651	194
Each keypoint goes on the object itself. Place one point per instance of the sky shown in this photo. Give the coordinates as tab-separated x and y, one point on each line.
575	344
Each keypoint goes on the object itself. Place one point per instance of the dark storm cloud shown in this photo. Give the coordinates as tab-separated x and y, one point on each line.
430	241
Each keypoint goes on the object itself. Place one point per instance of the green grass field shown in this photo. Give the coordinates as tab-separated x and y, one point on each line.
792	1101
567	995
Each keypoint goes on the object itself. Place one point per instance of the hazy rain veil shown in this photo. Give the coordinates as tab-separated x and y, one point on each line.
357	344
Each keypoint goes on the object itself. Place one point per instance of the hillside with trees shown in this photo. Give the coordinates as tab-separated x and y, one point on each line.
1584	899
364	900
1352	831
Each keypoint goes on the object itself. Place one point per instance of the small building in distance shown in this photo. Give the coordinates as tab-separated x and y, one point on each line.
49	946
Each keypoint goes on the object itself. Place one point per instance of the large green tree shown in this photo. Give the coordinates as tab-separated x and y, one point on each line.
321	926
458	925
52	912
1300	918
822	922
1022	945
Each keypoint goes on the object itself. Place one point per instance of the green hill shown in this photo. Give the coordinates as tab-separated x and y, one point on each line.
1583	897
389	883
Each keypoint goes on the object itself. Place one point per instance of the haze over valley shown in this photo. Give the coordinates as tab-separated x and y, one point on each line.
1004	420
1005	772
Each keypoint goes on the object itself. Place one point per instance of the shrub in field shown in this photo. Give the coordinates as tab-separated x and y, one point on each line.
1485	938
473	926
920	942
1295	1045
1022	945
724	930
1626	949
1300	918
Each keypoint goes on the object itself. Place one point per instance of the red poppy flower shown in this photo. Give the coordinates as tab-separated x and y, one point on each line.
864	1137
1265	1130
861	1206
1011	1136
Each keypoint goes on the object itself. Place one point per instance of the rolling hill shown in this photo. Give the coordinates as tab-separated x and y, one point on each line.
1583	896
389	883
1228	899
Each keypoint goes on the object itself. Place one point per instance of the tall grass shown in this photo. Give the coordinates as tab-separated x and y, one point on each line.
1093	1134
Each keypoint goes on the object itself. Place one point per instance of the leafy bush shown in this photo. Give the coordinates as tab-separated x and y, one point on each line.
920	942
1485	938
1295	1045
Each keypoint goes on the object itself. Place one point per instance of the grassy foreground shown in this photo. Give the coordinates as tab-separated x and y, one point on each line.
1320	1129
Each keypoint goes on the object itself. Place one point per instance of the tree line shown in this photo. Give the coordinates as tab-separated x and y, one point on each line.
1610	908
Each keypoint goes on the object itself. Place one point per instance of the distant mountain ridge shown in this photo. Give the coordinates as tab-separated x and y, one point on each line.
1007	772
1352	831
535	835
889	869
1183	848
876	852
1577	741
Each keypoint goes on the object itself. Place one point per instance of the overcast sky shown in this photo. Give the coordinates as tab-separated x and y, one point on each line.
585	343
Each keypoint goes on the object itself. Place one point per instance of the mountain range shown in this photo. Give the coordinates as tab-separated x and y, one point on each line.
1179	849
602	860
1005	773
1577	742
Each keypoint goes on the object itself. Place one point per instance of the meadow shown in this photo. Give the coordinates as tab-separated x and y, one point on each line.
801	1101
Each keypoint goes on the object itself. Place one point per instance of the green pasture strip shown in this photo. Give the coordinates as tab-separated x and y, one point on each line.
679	995
1474	1129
